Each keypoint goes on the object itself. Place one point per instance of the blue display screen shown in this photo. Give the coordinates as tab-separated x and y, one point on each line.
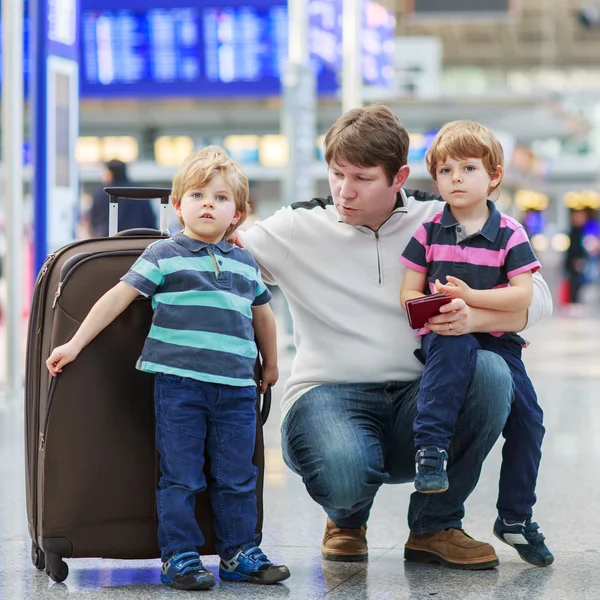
204	48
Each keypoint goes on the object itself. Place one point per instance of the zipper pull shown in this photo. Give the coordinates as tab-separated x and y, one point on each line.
42	442
57	294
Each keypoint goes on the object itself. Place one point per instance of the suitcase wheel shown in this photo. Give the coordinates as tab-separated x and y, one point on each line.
56	568
37	557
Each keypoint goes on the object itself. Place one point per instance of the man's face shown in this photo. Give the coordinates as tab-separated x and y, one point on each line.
363	195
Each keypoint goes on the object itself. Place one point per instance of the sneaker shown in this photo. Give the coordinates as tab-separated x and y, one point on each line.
184	571
251	564
343	544
451	548
431	477
526	539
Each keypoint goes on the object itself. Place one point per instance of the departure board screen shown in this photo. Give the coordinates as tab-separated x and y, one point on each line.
209	49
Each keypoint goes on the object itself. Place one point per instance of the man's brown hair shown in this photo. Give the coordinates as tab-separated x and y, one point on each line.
462	140
368	137
201	167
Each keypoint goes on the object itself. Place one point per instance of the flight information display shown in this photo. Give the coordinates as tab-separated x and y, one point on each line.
216	49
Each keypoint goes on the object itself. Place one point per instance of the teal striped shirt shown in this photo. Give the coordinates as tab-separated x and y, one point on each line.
202	296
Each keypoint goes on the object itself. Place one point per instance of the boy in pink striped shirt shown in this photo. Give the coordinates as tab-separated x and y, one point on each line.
470	250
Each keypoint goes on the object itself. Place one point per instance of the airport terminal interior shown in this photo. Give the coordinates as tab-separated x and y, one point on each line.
159	79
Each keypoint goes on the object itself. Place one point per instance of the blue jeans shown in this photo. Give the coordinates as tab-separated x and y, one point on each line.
194	417
450	364
345	440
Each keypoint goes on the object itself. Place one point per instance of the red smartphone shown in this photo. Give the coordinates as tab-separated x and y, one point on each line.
420	309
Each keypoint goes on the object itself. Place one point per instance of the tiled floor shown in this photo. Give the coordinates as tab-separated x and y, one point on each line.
564	363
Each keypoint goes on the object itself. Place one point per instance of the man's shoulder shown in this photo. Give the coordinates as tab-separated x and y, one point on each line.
315	203
421	196
424	205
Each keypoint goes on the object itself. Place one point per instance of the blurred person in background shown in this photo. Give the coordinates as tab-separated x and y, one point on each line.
132	213
575	262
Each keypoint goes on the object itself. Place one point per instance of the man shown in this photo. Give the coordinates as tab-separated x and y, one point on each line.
350	403
133	214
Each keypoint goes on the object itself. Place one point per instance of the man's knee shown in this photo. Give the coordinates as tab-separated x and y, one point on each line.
342	479
491	390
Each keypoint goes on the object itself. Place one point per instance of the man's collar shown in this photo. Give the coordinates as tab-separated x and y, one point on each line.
194	245
489	230
401	201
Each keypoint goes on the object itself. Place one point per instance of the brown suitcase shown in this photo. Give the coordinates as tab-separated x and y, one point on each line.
92	465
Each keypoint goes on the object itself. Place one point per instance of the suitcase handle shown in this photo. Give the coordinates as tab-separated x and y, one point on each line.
136	193
141	231
265	409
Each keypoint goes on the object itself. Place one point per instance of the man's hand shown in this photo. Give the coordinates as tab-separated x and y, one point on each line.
61	356
455	287
236	238
455	318
268	376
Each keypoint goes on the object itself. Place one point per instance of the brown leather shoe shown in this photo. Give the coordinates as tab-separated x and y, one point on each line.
344	545
452	548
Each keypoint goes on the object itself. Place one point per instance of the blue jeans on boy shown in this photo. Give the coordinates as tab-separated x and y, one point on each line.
346	440
450	364
193	418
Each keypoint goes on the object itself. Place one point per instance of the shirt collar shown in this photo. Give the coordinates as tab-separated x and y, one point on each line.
490	228
196	245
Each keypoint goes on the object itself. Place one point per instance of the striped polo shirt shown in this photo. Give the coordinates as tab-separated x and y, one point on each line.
202	296
483	260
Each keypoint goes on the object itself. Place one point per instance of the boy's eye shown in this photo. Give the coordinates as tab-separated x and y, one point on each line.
444	170
196	195
469	168
221	198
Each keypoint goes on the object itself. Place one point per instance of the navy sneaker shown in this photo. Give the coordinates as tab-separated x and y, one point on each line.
184	571
250	564
526	540
431	477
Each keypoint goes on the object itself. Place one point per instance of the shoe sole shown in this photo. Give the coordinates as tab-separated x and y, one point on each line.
432	491
422	556
344	557
276	577
520	555
206	585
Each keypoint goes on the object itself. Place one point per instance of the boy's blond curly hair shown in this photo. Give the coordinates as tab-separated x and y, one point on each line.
201	167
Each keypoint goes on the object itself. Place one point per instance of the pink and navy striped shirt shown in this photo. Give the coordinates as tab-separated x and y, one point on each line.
484	260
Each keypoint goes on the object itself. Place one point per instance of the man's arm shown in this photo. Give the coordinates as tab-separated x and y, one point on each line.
465	319
270	241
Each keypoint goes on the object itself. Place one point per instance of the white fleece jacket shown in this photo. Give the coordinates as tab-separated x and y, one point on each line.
342	284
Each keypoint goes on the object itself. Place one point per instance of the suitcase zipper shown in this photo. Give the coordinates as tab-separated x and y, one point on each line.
57	294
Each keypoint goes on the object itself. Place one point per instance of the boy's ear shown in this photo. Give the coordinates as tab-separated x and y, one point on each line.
497	177
236	217
176	205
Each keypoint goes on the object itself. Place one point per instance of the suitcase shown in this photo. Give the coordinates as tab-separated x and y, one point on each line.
91	461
